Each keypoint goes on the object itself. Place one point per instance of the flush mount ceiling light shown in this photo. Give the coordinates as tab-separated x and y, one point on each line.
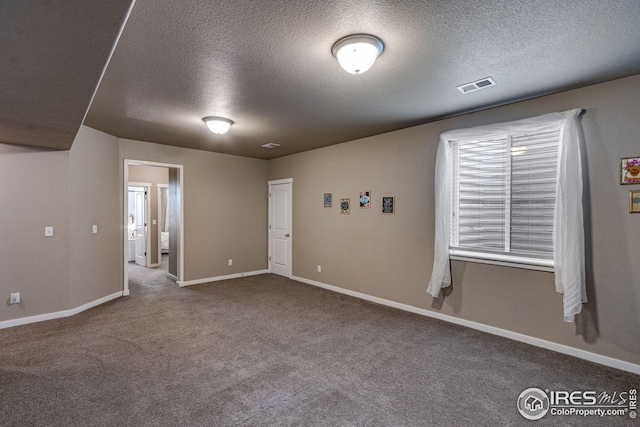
218	125
270	145
357	53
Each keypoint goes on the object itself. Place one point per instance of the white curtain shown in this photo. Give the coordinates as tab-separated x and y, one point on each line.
568	229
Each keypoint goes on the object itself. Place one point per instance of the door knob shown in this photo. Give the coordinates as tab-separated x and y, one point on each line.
286	235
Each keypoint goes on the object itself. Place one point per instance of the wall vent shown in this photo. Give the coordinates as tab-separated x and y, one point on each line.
479	84
271	145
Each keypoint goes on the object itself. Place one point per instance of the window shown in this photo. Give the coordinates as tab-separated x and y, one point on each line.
511	194
503	198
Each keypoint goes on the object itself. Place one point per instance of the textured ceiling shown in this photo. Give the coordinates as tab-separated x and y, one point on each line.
267	65
52	55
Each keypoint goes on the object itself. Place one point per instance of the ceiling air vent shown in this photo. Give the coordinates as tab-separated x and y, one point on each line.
480	84
271	145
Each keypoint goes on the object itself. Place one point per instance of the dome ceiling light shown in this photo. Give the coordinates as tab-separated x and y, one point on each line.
218	125
357	53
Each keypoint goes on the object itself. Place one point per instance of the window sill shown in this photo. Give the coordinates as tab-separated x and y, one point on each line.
515	262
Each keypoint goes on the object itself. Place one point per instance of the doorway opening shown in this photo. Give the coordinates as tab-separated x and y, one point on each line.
138	223
153	220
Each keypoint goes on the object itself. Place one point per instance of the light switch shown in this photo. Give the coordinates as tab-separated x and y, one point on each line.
95	228
153	222
48	231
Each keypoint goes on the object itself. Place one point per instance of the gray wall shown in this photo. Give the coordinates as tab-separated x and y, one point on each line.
94	266
34	193
225	208
71	191
225	218
391	256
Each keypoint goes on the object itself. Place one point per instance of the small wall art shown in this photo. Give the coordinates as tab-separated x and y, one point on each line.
634	201
388	205
344	206
327	200
630	170
365	199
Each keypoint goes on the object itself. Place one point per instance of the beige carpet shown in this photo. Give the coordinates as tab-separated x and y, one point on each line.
265	351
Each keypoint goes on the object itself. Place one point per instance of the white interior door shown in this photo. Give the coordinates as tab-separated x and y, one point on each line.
280	228
140	218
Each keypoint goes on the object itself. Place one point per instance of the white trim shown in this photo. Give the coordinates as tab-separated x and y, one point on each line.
156	265
559	348
58	314
502	263
139	184
280	181
218	278
162	185
504	259
125	229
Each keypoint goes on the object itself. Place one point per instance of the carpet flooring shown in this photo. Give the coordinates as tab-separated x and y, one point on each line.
268	351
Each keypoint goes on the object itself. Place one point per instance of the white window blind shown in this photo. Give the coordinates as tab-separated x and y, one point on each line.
503	196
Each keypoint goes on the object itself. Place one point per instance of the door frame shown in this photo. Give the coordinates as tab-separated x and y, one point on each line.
147	236
290	208
125	186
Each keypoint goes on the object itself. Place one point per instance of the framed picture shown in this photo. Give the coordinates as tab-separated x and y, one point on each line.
388	205
634	201
344	206
630	170
327	200
365	199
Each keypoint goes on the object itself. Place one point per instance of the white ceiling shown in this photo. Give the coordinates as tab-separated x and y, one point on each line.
267	65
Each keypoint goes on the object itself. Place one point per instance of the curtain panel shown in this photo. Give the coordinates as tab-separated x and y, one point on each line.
568	228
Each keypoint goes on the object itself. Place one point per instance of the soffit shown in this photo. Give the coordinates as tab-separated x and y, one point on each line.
53	54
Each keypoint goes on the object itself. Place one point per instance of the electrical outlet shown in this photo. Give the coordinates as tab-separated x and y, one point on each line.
48	232
230	262
15	298
319	268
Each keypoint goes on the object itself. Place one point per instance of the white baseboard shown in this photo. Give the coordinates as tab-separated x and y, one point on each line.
560	348
218	278
154	265
58	314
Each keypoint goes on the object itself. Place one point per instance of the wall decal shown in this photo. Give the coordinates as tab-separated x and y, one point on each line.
365	199
630	170
344	206
327	200
388	205
634	201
